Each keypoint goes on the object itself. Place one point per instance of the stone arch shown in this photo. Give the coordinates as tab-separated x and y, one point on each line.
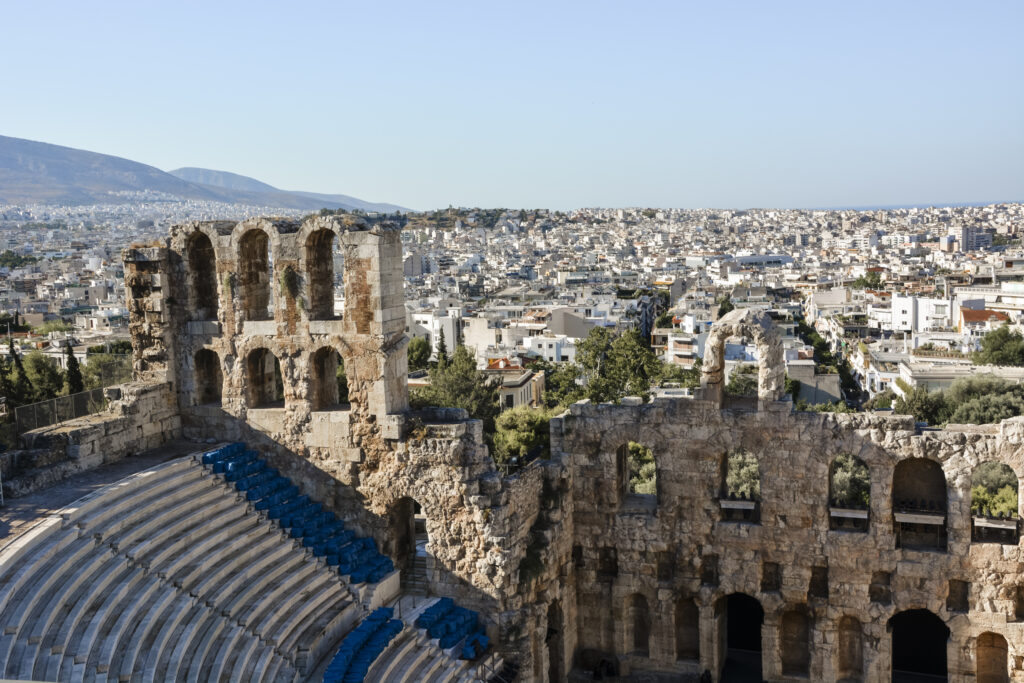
850	650
755	325
320	273
687	622
992	658
555	643
795	642
919	503
638	625
409	537
264	379
209	380
740	618
919	641
995	505
325	392
255	265
201	265
849	493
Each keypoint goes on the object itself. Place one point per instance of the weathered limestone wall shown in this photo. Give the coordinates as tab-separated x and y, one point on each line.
710	558
140	416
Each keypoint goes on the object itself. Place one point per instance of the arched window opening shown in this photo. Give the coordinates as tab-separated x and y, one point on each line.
266	385
994	511
851	650
918	646
320	274
739	633
740	500
209	379
256	271
637	473
919	505
328	385
849	494
202	277
409	534
687	630
993	653
554	641
638	618
795	643
742	370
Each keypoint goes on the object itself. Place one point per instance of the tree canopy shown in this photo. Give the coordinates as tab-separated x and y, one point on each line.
993	490
458	384
520	432
419	353
1001	346
982	399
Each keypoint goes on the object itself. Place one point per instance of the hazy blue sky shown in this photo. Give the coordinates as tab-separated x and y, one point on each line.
530	104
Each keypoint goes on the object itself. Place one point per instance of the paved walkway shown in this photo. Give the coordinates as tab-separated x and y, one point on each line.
20	514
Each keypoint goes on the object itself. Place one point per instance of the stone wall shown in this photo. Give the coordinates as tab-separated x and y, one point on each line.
140	416
566	565
790	561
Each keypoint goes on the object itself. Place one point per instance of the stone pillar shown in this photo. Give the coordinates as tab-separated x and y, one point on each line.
374	320
150	322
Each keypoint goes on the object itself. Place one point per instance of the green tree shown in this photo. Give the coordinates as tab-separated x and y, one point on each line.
742	381
521	431
46	378
120	347
458	384
871	280
53	326
419	353
73	375
725	305
643	471
851	482
923	405
1001	346
442	350
993	490
22	391
104	370
742	476
561	386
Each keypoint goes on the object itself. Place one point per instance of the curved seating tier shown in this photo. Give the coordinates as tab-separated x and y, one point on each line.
179	574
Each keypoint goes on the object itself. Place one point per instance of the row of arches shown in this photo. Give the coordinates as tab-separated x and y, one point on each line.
919	495
265	382
255	275
918	646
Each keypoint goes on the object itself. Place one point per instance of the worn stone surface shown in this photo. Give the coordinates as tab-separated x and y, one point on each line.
565	565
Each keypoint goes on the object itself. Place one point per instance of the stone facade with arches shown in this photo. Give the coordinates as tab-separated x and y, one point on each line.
569	567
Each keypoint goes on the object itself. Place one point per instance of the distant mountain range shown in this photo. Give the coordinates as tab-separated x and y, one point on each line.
40	173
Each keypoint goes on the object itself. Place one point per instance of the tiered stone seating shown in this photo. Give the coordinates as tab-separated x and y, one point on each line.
171	574
413	656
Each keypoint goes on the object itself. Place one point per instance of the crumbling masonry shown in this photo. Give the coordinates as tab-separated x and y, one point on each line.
235	324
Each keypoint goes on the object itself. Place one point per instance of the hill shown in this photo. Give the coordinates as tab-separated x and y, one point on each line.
40	173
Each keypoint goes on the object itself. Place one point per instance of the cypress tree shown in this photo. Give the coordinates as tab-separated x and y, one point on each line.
73	378
442	351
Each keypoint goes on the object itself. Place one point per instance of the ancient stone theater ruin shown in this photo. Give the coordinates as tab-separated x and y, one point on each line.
298	537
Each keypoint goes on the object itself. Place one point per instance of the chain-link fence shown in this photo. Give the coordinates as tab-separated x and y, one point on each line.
46	413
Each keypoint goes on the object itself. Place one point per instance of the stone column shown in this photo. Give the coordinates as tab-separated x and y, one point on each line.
148	295
374	320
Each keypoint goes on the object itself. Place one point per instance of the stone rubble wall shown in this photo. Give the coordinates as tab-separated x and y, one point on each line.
795	450
141	416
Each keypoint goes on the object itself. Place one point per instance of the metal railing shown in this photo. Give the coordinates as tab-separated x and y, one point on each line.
54	410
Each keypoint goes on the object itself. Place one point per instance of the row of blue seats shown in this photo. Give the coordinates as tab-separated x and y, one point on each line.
362	646
450	624
475	645
318	529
